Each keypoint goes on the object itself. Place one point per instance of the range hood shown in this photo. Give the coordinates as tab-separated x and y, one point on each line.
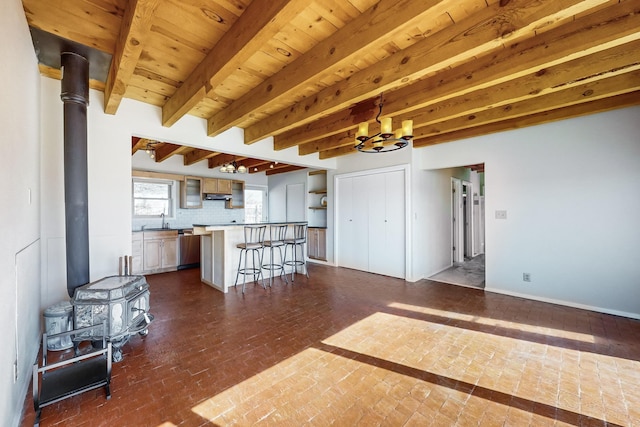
217	197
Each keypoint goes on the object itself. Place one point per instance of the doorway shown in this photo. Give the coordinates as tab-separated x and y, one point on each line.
467	233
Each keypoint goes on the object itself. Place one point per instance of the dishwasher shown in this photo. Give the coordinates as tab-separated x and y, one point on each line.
189	249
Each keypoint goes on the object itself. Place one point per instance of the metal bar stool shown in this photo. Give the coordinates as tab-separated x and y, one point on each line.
299	240
254	243
277	234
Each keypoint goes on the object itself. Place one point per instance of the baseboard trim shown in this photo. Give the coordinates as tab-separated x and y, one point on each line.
565	303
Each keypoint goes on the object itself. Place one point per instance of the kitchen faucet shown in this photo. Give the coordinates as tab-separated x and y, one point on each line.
163	223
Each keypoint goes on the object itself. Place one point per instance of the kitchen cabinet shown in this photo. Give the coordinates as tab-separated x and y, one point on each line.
317	243
216	186
191	192
136	253
160	251
237	195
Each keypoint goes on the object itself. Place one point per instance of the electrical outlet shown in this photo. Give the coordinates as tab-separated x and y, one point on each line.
501	214
15	372
526	277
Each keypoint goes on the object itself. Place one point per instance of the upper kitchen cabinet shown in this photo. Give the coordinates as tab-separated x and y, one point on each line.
191	192
216	186
237	195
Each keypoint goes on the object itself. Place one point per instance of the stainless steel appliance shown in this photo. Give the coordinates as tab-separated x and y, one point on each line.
189	249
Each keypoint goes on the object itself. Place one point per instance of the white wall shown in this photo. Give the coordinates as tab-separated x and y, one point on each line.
20	211
109	170
570	191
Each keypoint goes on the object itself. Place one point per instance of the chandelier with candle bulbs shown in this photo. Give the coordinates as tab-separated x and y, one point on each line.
386	140
233	167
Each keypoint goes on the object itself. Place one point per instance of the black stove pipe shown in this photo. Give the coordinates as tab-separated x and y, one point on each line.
75	96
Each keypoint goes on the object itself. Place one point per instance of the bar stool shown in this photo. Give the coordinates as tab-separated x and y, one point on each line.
254	243
277	234
299	240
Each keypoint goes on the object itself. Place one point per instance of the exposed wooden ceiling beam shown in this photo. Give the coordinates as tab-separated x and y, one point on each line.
267	166
339	151
196	155
166	150
476	168
56	73
136	24
223	159
327	143
137	144
619	84
249	163
547	114
480	33
586	108
257	25
327	57
590	68
541	57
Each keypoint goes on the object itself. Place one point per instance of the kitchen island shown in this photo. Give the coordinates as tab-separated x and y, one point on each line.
219	255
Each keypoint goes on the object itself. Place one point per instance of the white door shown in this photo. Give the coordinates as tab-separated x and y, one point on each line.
295	202
377	205
371	223
277	204
395	230
360	223
344	219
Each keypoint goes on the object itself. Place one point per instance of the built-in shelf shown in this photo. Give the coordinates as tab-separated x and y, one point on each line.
317	199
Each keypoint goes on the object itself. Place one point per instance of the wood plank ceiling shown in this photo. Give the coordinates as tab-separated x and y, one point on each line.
306	72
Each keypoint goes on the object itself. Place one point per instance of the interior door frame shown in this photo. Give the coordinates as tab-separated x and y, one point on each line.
457	226
468	225
406	168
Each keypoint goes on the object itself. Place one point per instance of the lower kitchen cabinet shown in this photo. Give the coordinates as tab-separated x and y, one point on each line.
136	253
160	251
317	243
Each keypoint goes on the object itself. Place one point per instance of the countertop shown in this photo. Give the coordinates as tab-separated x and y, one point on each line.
179	230
241	224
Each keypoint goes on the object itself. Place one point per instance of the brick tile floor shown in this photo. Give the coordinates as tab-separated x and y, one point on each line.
347	348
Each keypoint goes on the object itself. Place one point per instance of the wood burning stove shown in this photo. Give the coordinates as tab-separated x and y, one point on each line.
122	302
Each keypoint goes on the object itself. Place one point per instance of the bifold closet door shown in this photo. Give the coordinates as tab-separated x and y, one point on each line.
371	223
352	238
387	224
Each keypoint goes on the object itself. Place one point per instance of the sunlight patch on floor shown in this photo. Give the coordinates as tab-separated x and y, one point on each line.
390	369
559	333
535	374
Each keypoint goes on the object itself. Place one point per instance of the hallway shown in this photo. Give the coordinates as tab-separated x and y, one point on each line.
469	273
353	348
